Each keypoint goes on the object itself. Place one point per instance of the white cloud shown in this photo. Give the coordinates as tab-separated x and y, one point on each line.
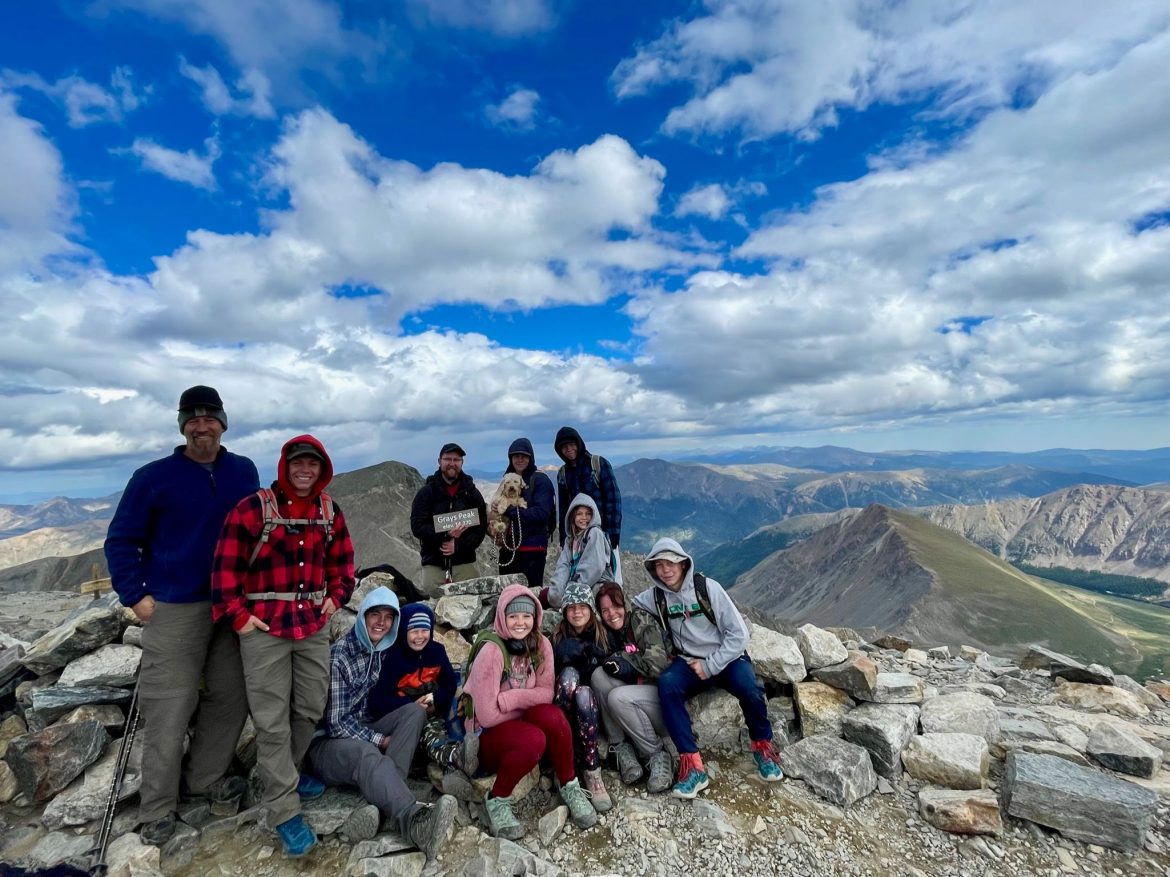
517	110
85	102
36	206
253	88
769	66
421	237
510	18
1005	274
268	35
182	167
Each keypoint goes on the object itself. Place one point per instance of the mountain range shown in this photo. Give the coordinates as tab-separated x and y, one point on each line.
892	570
1135	467
704	506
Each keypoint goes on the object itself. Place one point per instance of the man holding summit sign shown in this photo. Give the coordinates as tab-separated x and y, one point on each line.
447	541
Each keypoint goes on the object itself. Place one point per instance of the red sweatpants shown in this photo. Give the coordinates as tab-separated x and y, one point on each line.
512	749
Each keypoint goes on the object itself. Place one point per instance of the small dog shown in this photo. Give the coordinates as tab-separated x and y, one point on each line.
509	493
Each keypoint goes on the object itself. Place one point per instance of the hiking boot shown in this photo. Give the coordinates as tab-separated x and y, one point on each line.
226	789
661	773
431	825
581	810
363	823
296	836
690	784
461	754
595	786
767	761
309	787
159	831
502	821
627	762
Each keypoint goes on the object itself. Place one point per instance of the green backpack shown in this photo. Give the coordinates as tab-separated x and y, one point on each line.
466	709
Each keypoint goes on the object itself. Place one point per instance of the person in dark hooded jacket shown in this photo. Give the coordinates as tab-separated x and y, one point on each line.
282	567
416	670
576	476
526	544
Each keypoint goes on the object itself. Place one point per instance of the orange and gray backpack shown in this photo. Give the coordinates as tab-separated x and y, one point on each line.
272	518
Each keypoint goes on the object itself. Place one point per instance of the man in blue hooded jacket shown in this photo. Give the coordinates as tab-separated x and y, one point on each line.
375	756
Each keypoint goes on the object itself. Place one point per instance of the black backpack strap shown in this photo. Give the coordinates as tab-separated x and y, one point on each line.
663	621
704	596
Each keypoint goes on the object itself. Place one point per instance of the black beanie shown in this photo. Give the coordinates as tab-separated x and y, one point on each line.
201	401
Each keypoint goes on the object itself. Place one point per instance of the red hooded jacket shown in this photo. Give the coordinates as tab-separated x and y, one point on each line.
297	568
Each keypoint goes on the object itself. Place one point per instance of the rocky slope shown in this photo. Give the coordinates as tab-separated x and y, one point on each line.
1109	528
900	761
891	570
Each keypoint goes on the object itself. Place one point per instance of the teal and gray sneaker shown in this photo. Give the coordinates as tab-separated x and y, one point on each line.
767	761
690	785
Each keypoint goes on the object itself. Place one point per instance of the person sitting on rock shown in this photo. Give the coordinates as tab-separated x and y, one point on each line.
626	687
375	756
707	636
416	670
585	557
578	649
509	695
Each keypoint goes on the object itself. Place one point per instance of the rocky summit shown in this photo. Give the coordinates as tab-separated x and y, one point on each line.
900	760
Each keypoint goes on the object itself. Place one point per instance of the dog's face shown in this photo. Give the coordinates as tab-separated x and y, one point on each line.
512	486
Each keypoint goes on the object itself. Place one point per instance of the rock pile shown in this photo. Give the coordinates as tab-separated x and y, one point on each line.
901	760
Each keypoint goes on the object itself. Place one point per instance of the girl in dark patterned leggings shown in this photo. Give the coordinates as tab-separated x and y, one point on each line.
579	648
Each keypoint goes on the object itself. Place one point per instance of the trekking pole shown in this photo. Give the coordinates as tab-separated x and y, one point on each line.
120	765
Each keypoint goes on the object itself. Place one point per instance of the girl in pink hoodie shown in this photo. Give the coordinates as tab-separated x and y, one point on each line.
515	718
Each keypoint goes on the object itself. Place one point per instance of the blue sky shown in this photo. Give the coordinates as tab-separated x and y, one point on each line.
675	226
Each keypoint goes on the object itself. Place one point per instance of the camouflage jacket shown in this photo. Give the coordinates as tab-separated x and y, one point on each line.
642	643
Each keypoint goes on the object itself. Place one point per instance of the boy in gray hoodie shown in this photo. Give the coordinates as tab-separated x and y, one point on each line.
708	644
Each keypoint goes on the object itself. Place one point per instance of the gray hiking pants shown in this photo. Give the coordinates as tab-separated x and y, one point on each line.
379	776
182	648
288	683
629	710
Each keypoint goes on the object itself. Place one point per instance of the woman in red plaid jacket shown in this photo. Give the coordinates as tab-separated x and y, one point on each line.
283	565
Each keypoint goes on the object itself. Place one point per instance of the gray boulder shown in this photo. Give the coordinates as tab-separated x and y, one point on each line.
819	647
884	730
857	675
49	704
1079	802
954	761
968	713
85	800
775	656
1039	658
896	688
111	665
1093	674
1143	694
461	611
485	586
1119	749
47	761
79	635
328	813
834	769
